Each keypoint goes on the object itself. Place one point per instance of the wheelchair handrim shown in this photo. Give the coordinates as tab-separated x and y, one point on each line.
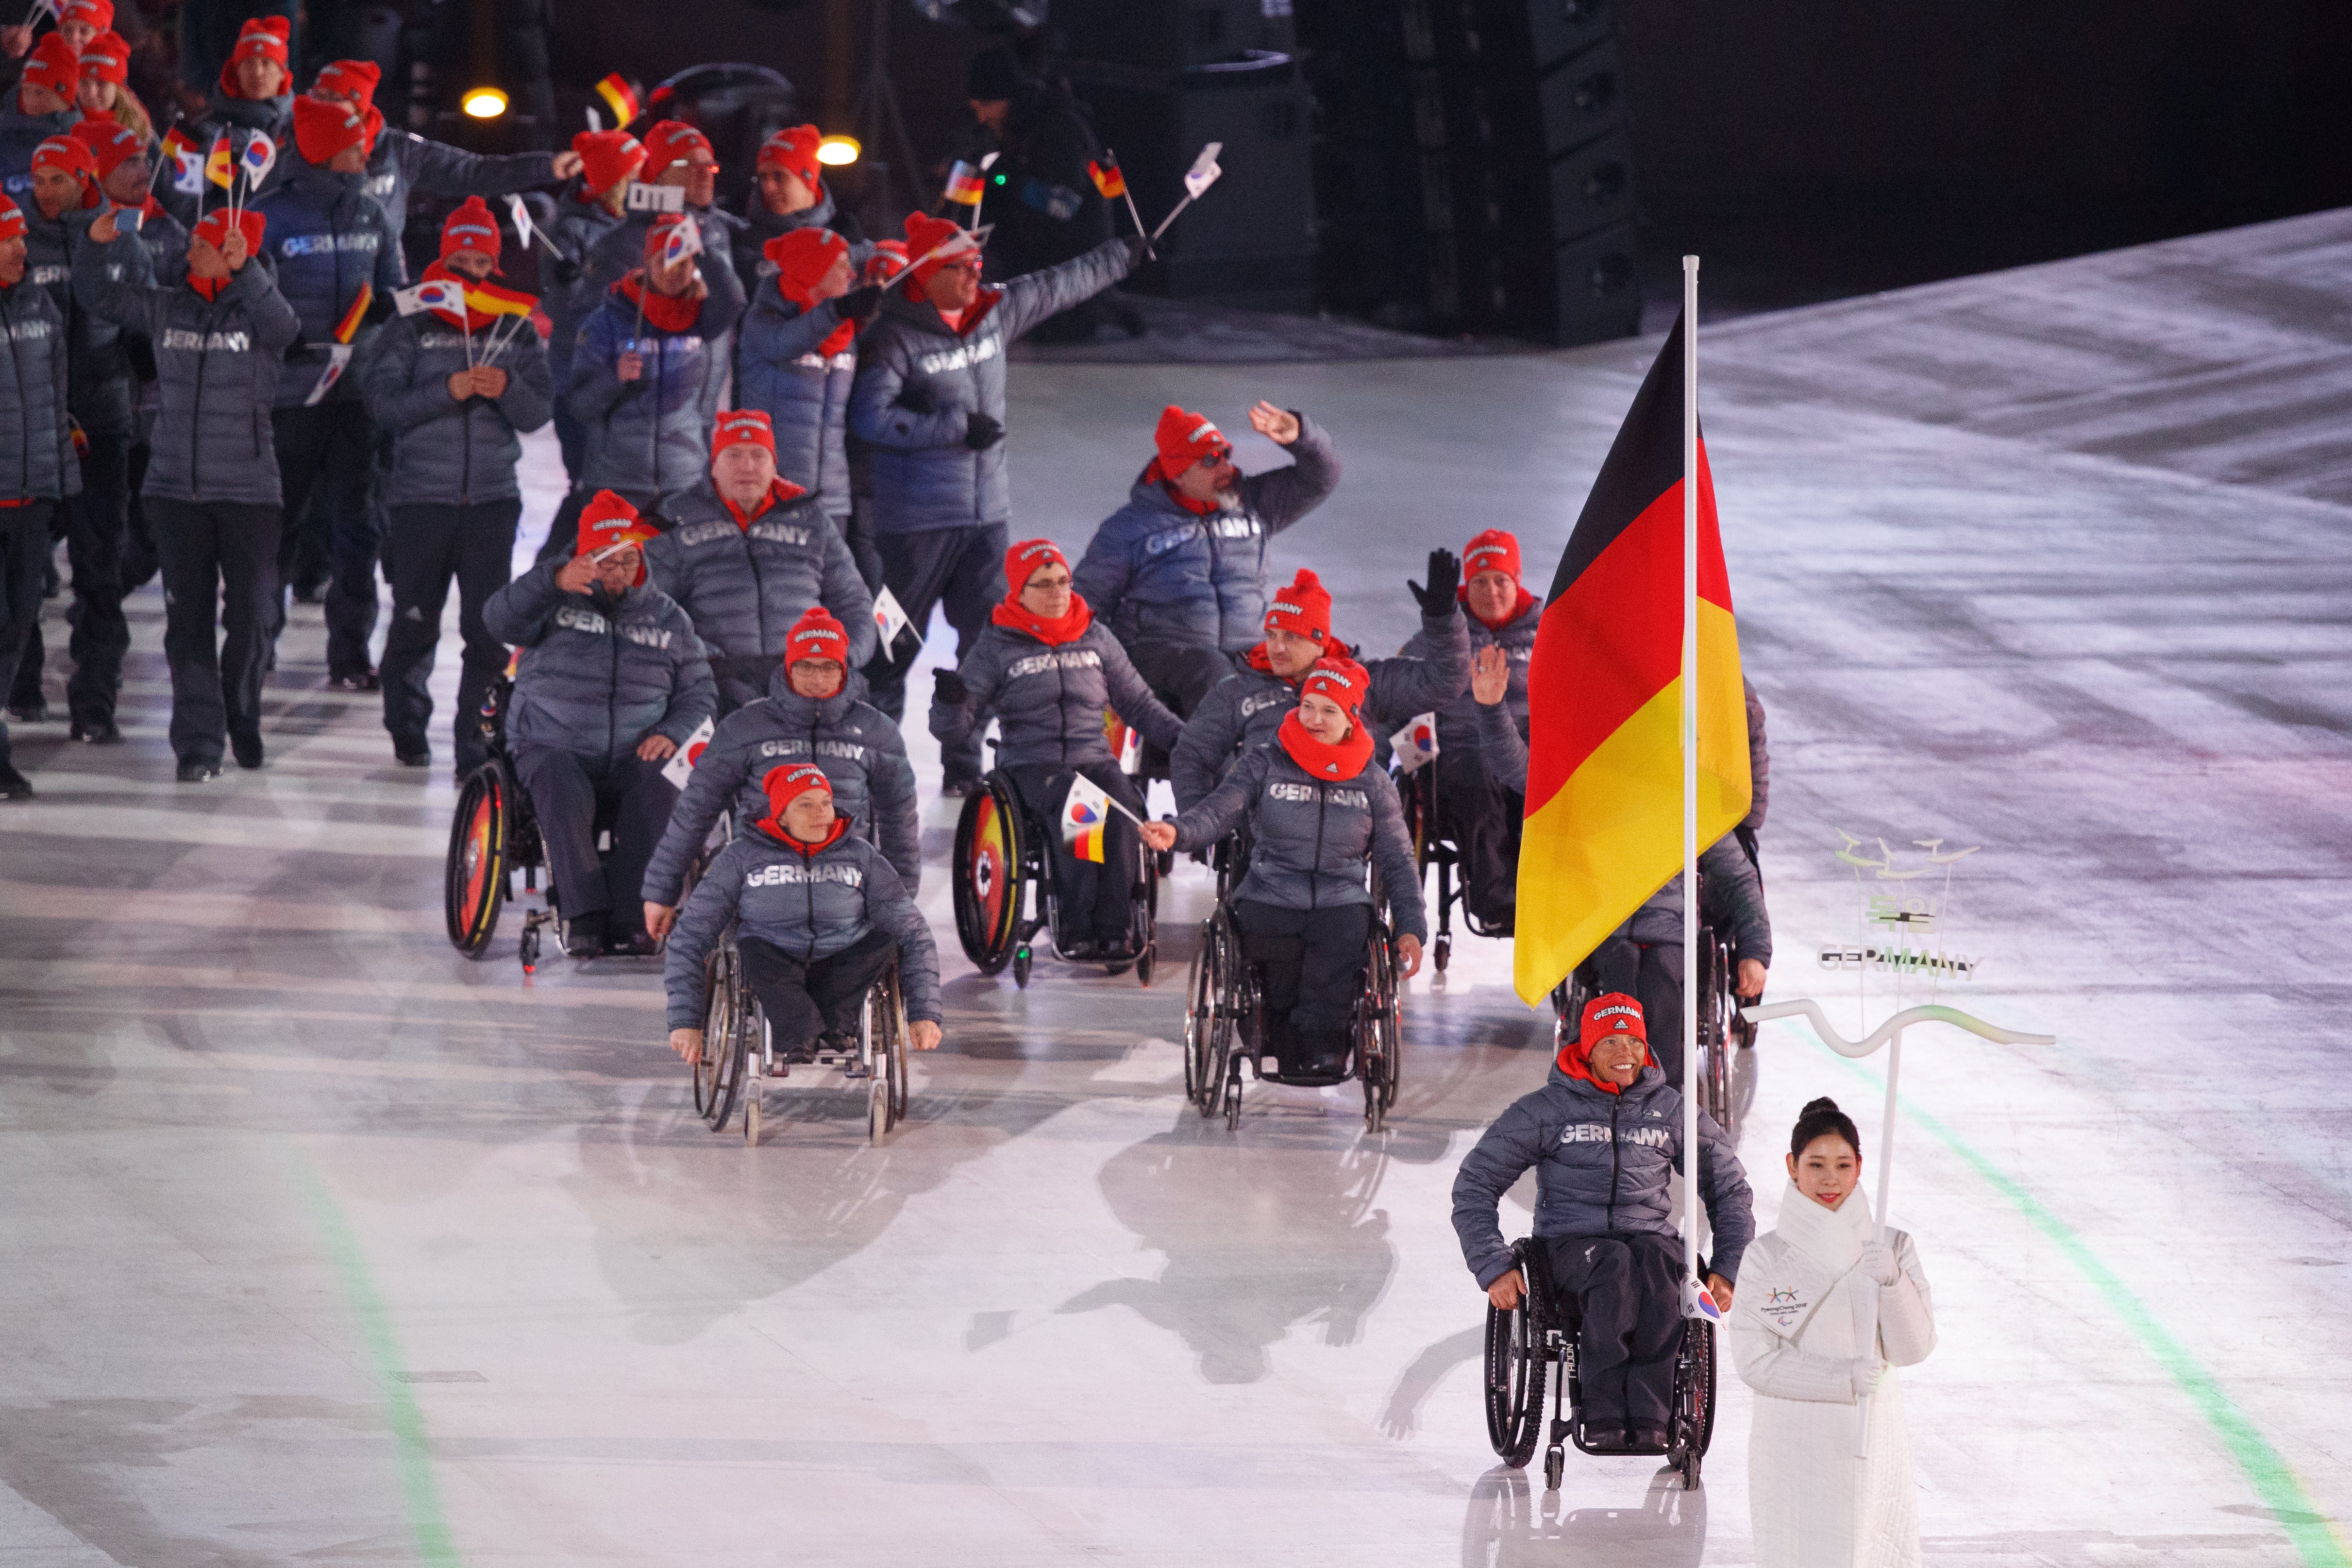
475	878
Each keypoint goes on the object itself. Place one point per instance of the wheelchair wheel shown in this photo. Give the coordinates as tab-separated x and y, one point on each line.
884	1024
726	1031
1517	1367
1694	1401
989	855
1717	1017
474	881
1379	1043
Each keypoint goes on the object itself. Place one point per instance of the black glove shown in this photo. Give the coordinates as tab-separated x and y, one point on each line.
859	304
1445	577
981	432
949	689
1137	245
919	400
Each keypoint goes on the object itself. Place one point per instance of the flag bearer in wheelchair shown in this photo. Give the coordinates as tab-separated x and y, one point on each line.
1320	810
1480	814
747	552
1048	669
612	681
1242	714
809	715
1604	1134
820	916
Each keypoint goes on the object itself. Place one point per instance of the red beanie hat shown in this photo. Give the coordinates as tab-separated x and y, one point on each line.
107	57
1492	550
672	141
816	635
70	154
1184	438
607	158
607	521
323	129
470	227
1612	1014
889	259
1342	680
53	65
924	231
738	426
12	219
350	79
1026	559
109	142
803	257
1302	609
212	228
785	784
793	150
99	14
261	37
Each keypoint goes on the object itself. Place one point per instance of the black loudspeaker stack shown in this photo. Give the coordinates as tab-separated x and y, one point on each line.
1159	78
1474	166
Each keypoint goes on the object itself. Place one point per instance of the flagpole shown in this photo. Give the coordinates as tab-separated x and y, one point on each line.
1690	774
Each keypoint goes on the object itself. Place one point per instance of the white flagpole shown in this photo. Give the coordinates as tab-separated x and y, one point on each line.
1690	773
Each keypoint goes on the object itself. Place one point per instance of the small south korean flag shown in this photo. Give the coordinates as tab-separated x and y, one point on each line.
680	767
890	620
1415	743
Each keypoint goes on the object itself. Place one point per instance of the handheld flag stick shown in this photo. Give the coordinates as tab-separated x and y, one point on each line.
1129	195
1690	781
1204	174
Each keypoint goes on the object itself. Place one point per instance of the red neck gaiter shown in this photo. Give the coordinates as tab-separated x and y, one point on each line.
1153	474
1322	760
1013	615
1526	602
780	492
664	313
782	835
1573	1062
1332	648
207	288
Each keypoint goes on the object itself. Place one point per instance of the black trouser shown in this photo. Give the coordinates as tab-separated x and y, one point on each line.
1651	974
219	561
24	688
1316	991
1094	898
426	546
1629	1288
857	526
101	636
803	997
1180	674
329	451
139	543
962	568
571	435
570	793
1483	820
23	542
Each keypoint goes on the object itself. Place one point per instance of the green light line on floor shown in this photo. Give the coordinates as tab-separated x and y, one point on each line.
2313	1535
419	1493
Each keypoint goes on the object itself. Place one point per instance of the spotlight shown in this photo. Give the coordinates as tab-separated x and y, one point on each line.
484	103
838	152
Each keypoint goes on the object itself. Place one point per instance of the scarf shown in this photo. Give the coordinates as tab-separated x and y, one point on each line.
1833	1238
777	831
1153	474
664	313
1015	616
434	272
780	492
1332	648
207	288
841	336
1576	1065
1527	602
1323	760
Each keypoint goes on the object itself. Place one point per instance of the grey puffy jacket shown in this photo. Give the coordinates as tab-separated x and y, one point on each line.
1602	1163
597	677
216	366
37	461
651	437
745	586
20	134
1458	720
1242	714
1154	570
757	226
1311	839
99	368
1759	759
405	162
805	394
918	383
618	252
445	452
1049	702
858	748
568	294
328	237
810	905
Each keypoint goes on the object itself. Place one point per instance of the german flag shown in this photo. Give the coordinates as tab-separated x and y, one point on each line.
348	327
621	99
492	299
1604	824
1110	181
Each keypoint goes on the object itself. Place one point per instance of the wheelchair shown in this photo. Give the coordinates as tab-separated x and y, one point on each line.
1535	1342
1226	1023
741	1056
1432	851
1002	877
1721	1029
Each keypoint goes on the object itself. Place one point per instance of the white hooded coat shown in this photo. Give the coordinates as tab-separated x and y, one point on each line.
1798	1326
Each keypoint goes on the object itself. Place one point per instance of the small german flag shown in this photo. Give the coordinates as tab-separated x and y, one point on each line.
220	164
348	327
492	299
1604	821
1110	181
621	99
965	186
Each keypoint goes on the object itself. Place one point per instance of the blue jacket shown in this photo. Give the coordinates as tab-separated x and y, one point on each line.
918	383
36	460
20	133
1602	1163
650	438
1049	702
805	396
621	250
217	368
860	750
1157	571
810	905
444	452
746	584
328	236
597	677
